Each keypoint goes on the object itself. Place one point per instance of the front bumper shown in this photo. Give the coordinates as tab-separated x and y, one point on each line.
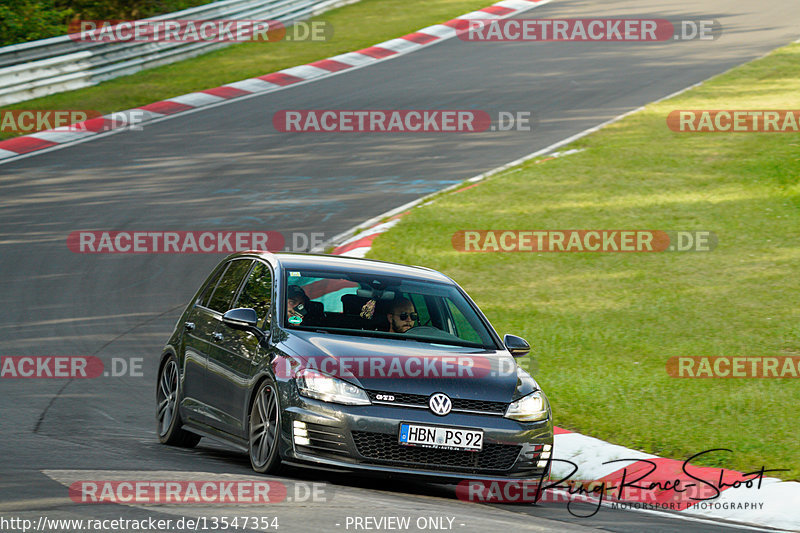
365	438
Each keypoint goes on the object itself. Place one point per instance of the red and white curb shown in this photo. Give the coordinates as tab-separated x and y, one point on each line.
674	483
359	245
81	132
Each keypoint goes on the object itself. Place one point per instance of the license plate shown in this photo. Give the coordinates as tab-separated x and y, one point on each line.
441	437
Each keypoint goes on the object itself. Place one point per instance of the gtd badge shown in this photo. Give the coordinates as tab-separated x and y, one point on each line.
440	404
384	397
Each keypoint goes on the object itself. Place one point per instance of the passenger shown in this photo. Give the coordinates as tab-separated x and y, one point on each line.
402	316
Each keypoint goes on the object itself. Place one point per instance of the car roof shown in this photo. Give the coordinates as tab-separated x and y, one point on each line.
338	263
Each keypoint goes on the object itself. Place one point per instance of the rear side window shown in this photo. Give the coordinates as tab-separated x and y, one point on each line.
257	292
226	288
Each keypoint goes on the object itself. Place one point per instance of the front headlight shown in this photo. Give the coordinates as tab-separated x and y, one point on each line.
529	408
314	384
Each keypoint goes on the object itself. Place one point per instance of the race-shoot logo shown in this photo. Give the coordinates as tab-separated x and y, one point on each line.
644	483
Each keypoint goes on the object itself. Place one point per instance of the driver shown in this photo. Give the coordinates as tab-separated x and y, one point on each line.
296	301
401	316
301	309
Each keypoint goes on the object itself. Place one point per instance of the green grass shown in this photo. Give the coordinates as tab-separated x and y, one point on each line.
604	325
355	26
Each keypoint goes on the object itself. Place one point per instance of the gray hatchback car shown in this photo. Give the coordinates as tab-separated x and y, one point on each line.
350	364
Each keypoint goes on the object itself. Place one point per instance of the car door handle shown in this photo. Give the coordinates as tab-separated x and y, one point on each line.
188	326
217	336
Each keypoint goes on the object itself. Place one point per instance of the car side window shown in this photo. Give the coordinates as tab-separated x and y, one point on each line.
462	327
257	293
210	286
421	307
226	288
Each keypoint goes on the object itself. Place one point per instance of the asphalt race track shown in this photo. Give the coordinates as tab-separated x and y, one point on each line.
227	168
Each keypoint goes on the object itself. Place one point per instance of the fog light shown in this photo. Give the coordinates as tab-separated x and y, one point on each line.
300	433
541	464
547	447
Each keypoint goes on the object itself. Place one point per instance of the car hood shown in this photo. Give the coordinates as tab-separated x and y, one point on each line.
411	367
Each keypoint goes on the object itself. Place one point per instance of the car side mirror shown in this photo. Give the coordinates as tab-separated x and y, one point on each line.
516	345
241	318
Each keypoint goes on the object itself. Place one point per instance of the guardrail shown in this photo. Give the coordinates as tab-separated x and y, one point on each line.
48	66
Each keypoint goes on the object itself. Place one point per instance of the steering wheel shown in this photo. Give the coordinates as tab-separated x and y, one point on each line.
423	329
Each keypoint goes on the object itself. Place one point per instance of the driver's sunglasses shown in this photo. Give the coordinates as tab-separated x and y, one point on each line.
404	316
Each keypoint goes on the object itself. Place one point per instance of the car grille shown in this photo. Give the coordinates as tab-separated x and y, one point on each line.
384	448
459	404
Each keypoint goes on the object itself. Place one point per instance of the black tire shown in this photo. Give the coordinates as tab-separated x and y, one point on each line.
168	419
264	429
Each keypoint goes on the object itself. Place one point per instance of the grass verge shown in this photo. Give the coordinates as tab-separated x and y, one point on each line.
355	26
603	325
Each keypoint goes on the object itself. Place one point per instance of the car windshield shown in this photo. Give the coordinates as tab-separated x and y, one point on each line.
382	306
